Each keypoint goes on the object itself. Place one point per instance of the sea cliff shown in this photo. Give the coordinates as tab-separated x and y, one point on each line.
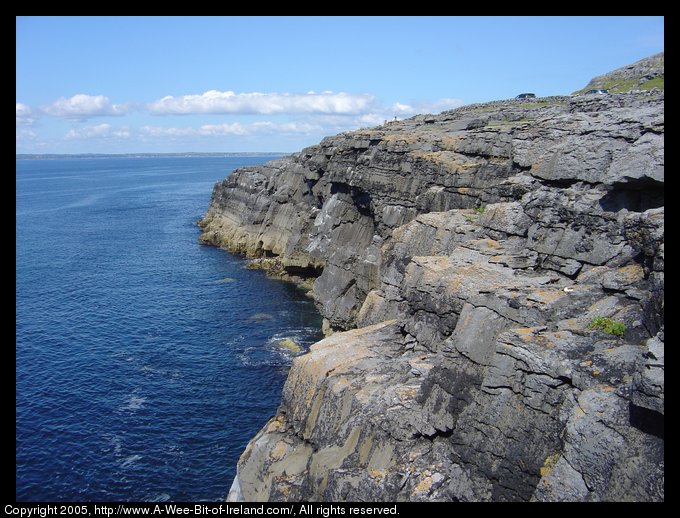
492	285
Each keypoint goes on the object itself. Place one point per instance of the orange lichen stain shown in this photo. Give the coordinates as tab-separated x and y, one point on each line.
546	297
449	143
545	342
275	424
525	331
608	388
470	165
596	373
423	486
490	243
284	489
377	474
587	363
631	272
610	349
407	393
529	335
550	463
279	450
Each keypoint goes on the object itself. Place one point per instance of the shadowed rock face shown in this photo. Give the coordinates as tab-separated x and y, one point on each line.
462	258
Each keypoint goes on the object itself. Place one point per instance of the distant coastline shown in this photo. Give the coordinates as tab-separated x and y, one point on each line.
51	156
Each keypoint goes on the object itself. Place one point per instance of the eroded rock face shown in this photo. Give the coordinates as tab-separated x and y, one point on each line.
463	258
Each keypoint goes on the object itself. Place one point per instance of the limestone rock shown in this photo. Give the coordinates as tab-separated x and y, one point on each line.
459	260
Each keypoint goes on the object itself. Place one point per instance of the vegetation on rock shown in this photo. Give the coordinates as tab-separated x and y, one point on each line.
608	325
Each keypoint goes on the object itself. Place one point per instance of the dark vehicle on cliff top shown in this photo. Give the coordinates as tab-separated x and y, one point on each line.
526	96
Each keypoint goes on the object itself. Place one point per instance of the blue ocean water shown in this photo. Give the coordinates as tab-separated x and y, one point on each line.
144	361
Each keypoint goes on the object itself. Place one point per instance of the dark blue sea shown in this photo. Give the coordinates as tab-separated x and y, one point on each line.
144	361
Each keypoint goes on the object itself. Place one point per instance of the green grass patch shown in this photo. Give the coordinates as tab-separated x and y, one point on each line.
608	325
657	82
480	210
620	86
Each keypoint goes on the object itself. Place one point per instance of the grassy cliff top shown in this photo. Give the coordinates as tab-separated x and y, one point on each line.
641	75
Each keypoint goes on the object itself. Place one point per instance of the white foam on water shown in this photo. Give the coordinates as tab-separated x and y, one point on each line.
129	461
259	317
134	402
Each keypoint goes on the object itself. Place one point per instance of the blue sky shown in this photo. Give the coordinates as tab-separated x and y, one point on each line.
145	84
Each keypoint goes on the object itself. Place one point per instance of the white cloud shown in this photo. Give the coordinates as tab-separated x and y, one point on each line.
403	109
371	119
214	101
205	130
26	134
25	115
83	106
425	107
222	129
299	127
377	115
235	128
441	104
294	118
98	131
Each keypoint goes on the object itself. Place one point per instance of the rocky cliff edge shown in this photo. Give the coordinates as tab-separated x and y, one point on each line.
492	284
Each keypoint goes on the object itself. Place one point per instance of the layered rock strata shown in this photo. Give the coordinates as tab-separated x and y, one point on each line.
459	261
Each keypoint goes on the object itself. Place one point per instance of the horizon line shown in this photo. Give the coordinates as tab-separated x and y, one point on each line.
152	153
